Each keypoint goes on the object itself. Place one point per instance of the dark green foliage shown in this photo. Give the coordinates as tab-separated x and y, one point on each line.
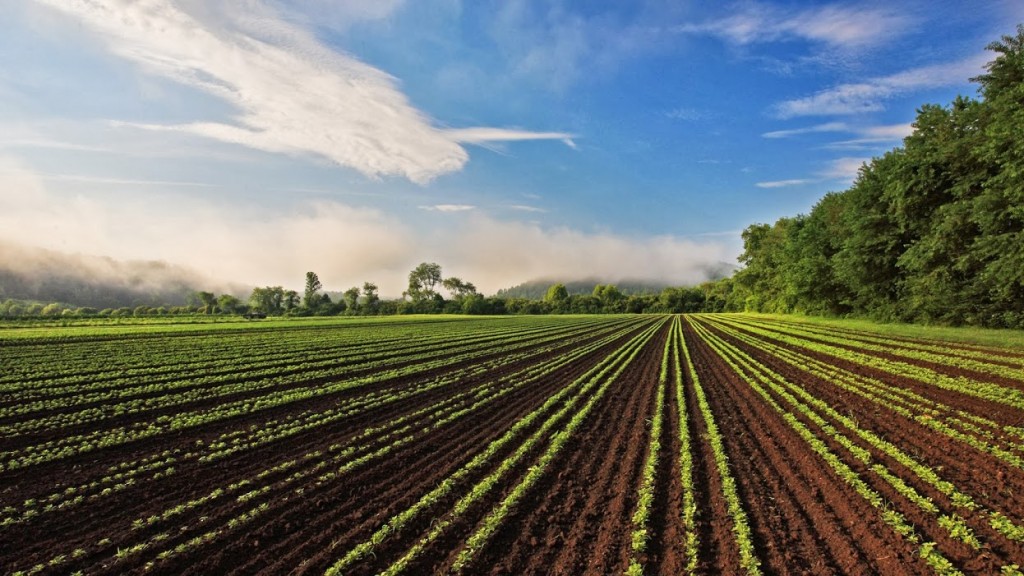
557	295
930	232
311	298
422	281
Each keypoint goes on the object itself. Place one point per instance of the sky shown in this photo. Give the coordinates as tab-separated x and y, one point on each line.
255	140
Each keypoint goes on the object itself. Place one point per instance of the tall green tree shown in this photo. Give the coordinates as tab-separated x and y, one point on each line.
810	274
932	231
371	299
228	304
999	209
207	300
457	288
611	298
766	258
351	299
557	298
269	299
867	261
290	300
423	279
310	295
941	177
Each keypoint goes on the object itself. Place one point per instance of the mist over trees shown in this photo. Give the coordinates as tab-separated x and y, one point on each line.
928	232
36	274
537	289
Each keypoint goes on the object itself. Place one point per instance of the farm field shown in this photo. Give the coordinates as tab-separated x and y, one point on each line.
517	445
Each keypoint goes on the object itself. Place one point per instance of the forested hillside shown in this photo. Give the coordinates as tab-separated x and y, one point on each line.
536	289
35	274
929	232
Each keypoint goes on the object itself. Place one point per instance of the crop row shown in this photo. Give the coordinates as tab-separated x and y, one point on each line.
321	384
240	440
206	370
980	362
633	444
247	384
253	496
559	417
1005	442
893	481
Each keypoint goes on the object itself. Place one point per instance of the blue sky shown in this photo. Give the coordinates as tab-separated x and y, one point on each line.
505	140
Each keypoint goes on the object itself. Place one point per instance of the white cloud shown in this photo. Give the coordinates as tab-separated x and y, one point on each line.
889	131
869	136
843	99
292	95
113	138
345	245
482	135
341	16
873	136
783	183
834	25
523	208
827	127
448	207
845	169
870	96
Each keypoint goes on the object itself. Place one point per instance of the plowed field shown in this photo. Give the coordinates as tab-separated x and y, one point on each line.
545	445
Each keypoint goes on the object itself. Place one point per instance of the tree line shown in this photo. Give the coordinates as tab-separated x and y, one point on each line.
929	232
427	290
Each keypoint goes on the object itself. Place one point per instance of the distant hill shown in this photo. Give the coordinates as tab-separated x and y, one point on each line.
536	289
28	273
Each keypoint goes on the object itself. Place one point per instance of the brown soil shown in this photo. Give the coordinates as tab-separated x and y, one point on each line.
805	519
89	523
577	520
993	484
1001	413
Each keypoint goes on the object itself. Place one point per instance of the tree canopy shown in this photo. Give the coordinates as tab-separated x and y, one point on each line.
932	231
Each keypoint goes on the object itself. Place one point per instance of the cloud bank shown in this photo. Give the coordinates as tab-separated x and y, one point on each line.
345	245
291	94
834	25
871	95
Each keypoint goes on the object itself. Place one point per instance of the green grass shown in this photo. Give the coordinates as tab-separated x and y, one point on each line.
67	328
1003	338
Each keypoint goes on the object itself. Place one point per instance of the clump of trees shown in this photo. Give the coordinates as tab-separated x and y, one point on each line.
930	232
278	301
422	297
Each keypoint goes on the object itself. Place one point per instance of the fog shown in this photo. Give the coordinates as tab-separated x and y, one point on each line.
30	273
202	243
